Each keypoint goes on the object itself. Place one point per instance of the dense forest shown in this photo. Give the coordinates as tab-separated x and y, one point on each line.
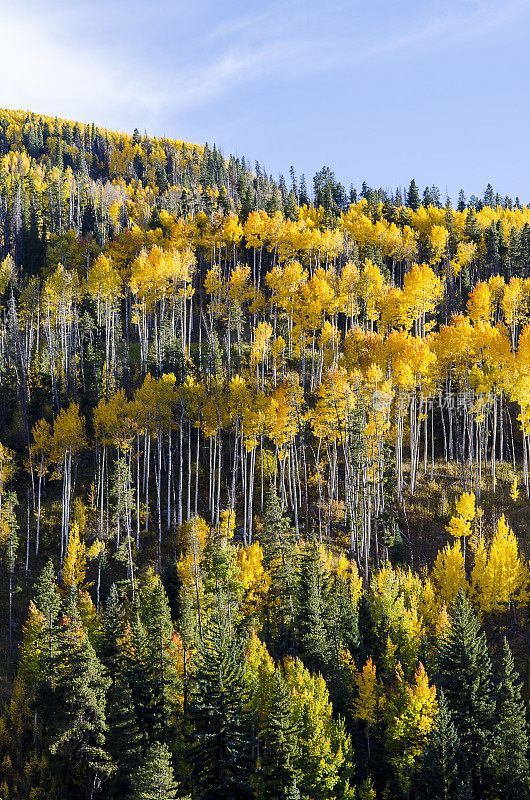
264	479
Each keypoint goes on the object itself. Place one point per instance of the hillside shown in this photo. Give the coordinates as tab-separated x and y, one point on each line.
263	478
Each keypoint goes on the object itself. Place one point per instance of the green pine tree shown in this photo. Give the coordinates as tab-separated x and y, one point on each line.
279	558
444	772
313	642
464	672
220	747
277	776
510	749
112	630
154	779
144	685
45	595
172	583
123	741
155	616
413	197
71	699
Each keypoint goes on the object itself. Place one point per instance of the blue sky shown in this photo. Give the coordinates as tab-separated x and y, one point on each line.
378	90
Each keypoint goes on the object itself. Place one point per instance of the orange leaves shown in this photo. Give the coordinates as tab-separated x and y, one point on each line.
479	306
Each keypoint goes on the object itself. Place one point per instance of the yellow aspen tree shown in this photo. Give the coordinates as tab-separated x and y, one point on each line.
502	579
74	564
366	706
460	524
411	713
254	579
448	572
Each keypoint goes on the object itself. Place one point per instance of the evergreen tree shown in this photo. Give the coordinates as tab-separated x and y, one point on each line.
279	557
71	701
369	646
123	741
172	584
313	642
112	629
219	750
247	203
489	199
510	749
45	590
303	196
143	677
464	672
277	777
443	775
156	618
413	197
154	779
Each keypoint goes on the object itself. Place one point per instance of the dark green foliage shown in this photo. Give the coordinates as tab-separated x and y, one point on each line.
112	630
369	646
220	747
45	594
154	611
154	779
279	556
413	197
464	672
444	771
510	748
70	701
277	776
172	584
155	641
312	610
123	741
150	676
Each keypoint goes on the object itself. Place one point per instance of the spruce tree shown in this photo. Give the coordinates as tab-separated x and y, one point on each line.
369	644
142	678
220	745
510	749
444	772
172	584
277	777
71	700
464	672
123	741
45	594
154	779
413	197
279	558
313	642
155	616
112	629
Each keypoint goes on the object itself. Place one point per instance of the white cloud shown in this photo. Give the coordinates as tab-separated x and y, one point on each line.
48	65
46	70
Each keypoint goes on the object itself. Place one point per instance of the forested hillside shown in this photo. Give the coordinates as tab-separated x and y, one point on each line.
264	479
